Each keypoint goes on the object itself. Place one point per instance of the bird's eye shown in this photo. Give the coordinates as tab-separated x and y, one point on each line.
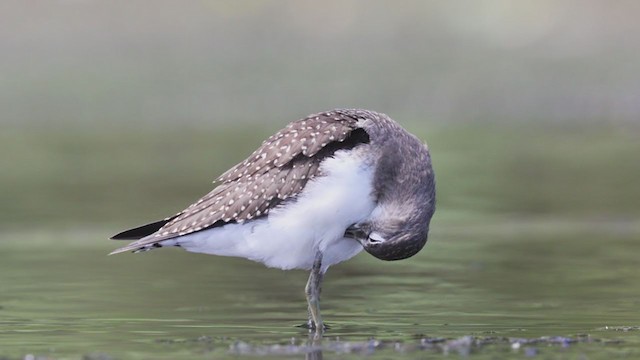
376	238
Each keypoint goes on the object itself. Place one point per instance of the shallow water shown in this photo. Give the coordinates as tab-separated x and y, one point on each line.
533	252
62	297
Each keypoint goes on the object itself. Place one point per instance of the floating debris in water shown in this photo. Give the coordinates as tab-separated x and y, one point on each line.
463	346
621	328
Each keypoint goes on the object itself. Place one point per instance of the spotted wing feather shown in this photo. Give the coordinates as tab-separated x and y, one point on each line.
303	137
277	170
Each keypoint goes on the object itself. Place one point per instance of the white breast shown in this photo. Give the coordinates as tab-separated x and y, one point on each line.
290	236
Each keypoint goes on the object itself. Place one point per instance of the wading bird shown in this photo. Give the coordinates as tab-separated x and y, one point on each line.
314	194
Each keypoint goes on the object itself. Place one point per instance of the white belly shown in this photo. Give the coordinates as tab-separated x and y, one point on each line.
290	236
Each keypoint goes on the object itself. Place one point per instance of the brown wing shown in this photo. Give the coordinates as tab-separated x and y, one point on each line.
277	170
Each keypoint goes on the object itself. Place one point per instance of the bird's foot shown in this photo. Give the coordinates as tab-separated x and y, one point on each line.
311	326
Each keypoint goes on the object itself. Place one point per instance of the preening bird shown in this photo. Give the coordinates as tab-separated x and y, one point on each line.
314	194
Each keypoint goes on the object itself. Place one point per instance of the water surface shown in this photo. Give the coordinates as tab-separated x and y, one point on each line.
535	237
63	297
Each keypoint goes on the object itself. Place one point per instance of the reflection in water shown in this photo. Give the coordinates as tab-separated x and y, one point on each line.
315	346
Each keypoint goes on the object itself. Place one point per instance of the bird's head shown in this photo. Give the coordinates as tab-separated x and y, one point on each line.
392	238
404	192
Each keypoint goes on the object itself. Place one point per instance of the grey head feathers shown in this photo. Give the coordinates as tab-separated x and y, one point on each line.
404	186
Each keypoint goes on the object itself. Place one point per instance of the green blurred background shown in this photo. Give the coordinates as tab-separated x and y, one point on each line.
114	113
119	111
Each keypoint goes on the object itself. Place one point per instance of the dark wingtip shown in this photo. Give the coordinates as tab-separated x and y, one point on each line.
123	236
140	231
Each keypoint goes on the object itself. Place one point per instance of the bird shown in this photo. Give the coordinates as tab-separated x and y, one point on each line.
314	194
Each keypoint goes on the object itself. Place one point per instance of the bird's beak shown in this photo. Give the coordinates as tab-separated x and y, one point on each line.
356	233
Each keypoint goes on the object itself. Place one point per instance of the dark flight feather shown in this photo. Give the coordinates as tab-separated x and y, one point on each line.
141	231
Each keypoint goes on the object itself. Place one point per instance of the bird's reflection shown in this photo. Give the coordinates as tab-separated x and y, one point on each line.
314	343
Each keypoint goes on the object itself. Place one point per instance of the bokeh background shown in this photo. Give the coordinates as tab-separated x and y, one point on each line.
114	113
118	109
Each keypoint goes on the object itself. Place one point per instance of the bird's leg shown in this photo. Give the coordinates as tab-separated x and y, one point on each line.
312	290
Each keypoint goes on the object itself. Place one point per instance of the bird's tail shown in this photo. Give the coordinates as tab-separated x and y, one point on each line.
137	246
141	234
